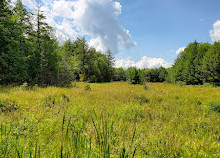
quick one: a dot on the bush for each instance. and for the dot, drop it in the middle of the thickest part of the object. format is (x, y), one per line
(93, 79)
(65, 98)
(145, 86)
(50, 101)
(205, 84)
(24, 86)
(82, 77)
(34, 88)
(87, 87)
(181, 83)
(141, 99)
(215, 106)
(8, 105)
(69, 85)
(73, 84)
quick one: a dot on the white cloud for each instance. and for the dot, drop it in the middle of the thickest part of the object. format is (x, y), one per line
(66, 29)
(215, 33)
(145, 62)
(180, 50)
(63, 9)
(98, 44)
(97, 19)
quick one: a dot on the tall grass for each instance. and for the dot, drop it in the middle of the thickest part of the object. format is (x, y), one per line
(111, 120)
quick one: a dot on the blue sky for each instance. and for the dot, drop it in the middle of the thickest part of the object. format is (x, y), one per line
(160, 27)
(141, 33)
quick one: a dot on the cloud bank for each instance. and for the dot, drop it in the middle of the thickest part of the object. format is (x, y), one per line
(215, 33)
(96, 19)
(145, 62)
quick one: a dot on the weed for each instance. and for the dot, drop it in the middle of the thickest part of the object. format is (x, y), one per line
(24, 86)
(73, 85)
(35, 87)
(65, 98)
(142, 99)
(50, 101)
(145, 86)
(8, 105)
(181, 83)
(215, 106)
(87, 87)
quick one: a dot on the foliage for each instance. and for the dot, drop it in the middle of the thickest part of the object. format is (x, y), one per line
(211, 65)
(30, 52)
(133, 75)
(215, 106)
(87, 87)
(119, 74)
(114, 119)
(145, 86)
(154, 75)
(197, 64)
(8, 105)
(24, 86)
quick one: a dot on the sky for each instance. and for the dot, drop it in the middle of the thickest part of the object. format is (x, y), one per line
(140, 33)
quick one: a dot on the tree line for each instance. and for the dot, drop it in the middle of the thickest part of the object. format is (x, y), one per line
(198, 64)
(30, 52)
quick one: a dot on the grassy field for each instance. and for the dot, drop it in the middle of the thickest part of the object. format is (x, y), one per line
(110, 120)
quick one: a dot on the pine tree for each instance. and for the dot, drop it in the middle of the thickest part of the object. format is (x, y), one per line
(12, 57)
(45, 58)
(211, 65)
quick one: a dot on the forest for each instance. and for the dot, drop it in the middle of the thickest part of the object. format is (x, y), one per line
(30, 53)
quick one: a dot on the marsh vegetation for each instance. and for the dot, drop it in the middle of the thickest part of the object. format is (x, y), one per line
(110, 120)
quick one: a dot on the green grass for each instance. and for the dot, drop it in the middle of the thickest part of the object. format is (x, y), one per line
(110, 120)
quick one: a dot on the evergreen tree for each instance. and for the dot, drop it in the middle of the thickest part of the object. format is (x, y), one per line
(110, 63)
(202, 50)
(45, 58)
(211, 65)
(12, 57)
(184, 65)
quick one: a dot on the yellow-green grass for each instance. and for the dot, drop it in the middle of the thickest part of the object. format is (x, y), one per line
(111, 120)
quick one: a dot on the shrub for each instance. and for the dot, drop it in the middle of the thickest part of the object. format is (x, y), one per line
(50, 101)
(87, 87)
(145, 86)
(34, 88)
(93, 79)
(69, 85)
(73, 84)
(82, 77)
(215, 106)
(24, 86)
(65, 98)
(181, 83)
(141, 99)
(8, 105)
(205, 84)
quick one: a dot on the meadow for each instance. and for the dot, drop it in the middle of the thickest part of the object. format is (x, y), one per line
(110, 120)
